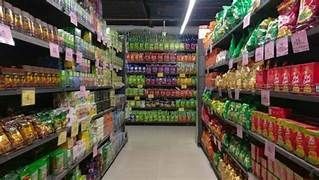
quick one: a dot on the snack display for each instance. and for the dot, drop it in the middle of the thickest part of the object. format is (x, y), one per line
(178, 103)
(169, 69)
(158, 116)
(160, 57)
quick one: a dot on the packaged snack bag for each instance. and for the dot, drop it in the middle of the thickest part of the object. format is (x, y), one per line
(287, 19)
(312, 147)
(310, 74)
(296, 78)
(308, 13)
(277, 78)
(285, 79)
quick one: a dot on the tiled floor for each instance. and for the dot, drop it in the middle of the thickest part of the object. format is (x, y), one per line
(160, 153)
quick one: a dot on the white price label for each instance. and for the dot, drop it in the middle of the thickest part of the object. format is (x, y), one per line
(54, 50)
(246, 20)
(230, 63)
(245, 59)
(259, 53)
(230, 95)
(6, 35)
(265, 97)
(299, 41)
(270, 50)
(73, 18)
(239, 131)
(270, 150)
(237, 94)
(68, 54)
(282, 46)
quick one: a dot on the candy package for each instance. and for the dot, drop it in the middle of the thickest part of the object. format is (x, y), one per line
(308, 13)
(287, 19)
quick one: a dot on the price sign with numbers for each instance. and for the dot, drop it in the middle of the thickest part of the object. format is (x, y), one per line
(74, 128)
(73, 18)
(6, 35)
(246, 22)
(54, 50)
(27, 97)
(270, 150)
(181, 109)
(299, 41)
(182, 75)
(84, 125)
(137, 98)
(184, 86)
(237, 94)
(259, 53)
(140, 86)
(270, 50)
(265, 97)
(230, 63)
(239, 131)
(245, 59)
(282, 46)
(68, 54)
(62, 138)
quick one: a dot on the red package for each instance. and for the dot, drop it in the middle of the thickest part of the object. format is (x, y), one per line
(140, 57)
(279, 112)
(308, 13)
(281, 132)
(296, 78)
(270, 78)
(310, 74)
(277, 78)
(160, 57)
(147, 57)
(312, 147)
(287, 19)
(261, 79)
(290, 135)
(166, 57)
(285, 79)
(153, 57)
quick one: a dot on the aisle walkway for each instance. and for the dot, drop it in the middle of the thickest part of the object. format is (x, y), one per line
(160, 153)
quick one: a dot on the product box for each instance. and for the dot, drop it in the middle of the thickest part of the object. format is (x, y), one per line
(253, 151)
(258, 173)
(283, 171)
(277, 168)
(310, 74)
(289, 173)
(270, 165)
(263, 173)
(279, 112)
(277, 78)
(285, 79)
(253, 167)
(270, 78)
(270, 176)
(263, 162)
(261, 79)
(296, 78)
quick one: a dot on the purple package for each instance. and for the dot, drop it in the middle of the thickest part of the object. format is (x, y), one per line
(174, 81)
(160, 68)
(148, 69)
(153, 81)
(166, 69)
(173, 69)
(154, 69)
(143, 69)
(169, 81)
(148, 81)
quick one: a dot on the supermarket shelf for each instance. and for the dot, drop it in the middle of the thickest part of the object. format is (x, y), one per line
(162, 108)
(61, 175)
(118, 87)
(10, 155)
(211, 163)
(282, 95)
(159, 97)
(107, 168)
(102, 113)
(164, 74)
(39, 90)
(160, 123)
(236, 161)
(158, 62)
(164, 51)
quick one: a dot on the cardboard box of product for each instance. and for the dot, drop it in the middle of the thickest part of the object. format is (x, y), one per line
(270, 165)
(253, 151)
(277, 168)
(258, 173)
(263, 162)
(263, 173)
(289, 173)
(283, 171)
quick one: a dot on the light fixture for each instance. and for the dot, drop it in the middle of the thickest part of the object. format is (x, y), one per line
(187, 16)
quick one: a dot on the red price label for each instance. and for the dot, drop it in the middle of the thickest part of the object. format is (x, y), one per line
(68, 54)
(6, 35)
(246, 22)
(270, 50)
(265, 97)
(259, 53)
(79, 58)
(239, 131)
(299, 41)
(270, 150)
(73, 18)
(245, 59)
(282, 46)
(54, 50)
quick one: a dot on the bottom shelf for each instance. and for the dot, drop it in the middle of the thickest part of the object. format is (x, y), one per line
(103, 173)
(161, 123)
(211, 163)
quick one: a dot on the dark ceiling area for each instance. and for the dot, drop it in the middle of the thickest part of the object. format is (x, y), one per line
(154, 12)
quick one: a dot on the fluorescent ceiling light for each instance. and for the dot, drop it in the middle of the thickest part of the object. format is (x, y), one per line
(188, 15)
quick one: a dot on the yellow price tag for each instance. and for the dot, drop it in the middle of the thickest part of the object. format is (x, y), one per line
(27, 97)
(137, 98)
(62, 138)
(140, 86)
(184, 86)
(182, 75)
(151, 96)
(74, 129)
(181, 109)
(85, 125)
(160, 74)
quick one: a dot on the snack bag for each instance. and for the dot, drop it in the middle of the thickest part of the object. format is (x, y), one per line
(308, 13)
(287, 19)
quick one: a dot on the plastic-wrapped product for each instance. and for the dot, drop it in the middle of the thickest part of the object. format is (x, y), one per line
(272, 31)
(308, 13)
(287, 19)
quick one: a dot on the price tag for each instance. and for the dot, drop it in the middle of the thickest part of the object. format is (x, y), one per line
(94, 151)
(230, 63)
(137, 98)
(259, 53)
(54, 50)
(151, 96)
(74, 128)
(239, 131)
(97, 63)
(237, 94)
(160, 74)
(182, 75)
(229, 93)
(99, 37)
(140, 86)
(282, 46)
(79, 58)
(270, 150)
(265, 97)
(270, 50)
(6, 35)
(27, 97)
(220, 94)
(62, 138)
(85, 125)
(246, 20)
(219, 144)
(215, 140)
(245, 59)
(68, 54)
(299, 41)
(184, 86)
(73, 18)
(82, 89)
(181, 109)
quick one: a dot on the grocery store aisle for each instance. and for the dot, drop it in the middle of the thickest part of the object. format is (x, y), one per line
(160, 153)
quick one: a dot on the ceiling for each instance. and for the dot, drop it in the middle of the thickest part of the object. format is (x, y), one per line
(153, 12)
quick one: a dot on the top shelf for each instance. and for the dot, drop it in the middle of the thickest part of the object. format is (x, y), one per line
(164, 51)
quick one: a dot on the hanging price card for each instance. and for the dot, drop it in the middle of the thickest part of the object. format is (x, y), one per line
(182, 75)
(68, 54)
(219, 144)
(137, 98)
(259, 53)
(239, 131)
(151, 96)
(6, 35)
(237, 94)
(282, 46)
(74, 128)
(54, 50)
(73, 18)
(140, 86)
(270, 50)
(62, 138)
(79, 58)
(230, 63)
(245, 59)
(181, 109)
(265, 97)
(97, 63)
(299, 41)
(95, 151)
(85, 125)
(230, 95)
(27, 97)
(184, 86)
(215, 140)
(160, 74)
(82, 89)
(246, 21)
(270, 150)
